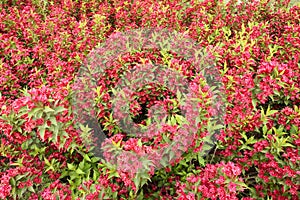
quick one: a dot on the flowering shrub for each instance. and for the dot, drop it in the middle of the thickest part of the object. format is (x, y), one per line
(43, 154)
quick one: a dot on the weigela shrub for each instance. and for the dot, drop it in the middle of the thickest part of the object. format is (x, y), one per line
(42, 152)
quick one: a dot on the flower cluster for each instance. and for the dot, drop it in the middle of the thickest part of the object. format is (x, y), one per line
(256, 154)
(221, 181)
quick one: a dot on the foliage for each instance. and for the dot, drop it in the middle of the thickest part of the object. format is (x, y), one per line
(42, 152)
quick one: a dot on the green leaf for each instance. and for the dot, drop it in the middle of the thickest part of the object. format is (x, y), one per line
(136, 181)
(139, 143)
(82, 164)
(19, 177)
(287, 145)
(113, 174)
(265, 129)
(34, 111)
(79, 171)
(39, 114)
(178, 95)
(22, 111)
(73, 175)
(95, 174)
(12, 181)
(173, 120)
(53, 121)
(216, 127)
(47, 109)
(294, 129)
(270, 112)
(59, 109)
(47, 162)
(31, 189)
(64, 174)
(42, 131)
(71, 166)
(180, 119)
(201, 160)
(95, 159)
(86, 157)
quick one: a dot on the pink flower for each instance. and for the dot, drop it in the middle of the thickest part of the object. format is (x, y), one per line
(232, 187)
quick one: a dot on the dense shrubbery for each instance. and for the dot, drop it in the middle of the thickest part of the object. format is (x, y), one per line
(43, 44)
